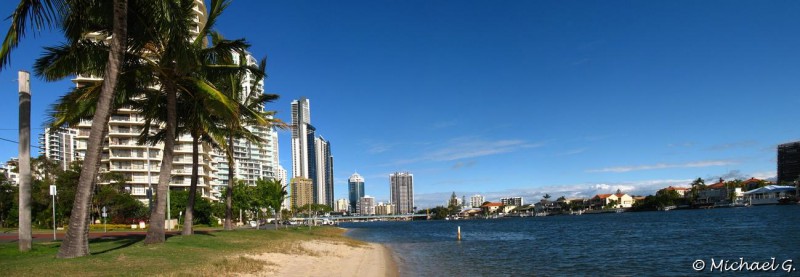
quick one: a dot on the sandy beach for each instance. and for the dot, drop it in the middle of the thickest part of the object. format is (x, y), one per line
(329, 258)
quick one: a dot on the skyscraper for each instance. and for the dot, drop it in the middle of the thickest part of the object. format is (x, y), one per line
(355, 186)
(788, 162)
(324, 172)
(302, 149)
(311, 155)
(402, 192)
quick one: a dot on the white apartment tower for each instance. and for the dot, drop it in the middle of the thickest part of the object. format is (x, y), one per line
(58, 144)
(402, 192)
(140, 164)
(476, 201)
(252, 161)
(301, 129)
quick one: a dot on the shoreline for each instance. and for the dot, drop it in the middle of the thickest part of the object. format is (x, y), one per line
(322, 256)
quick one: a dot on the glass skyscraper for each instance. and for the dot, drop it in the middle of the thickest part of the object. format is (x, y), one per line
(356, 190)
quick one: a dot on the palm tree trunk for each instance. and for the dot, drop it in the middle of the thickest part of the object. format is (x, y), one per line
(156, 232)
(76, 241)
(189, 214)
(24, 162)
(229, 191)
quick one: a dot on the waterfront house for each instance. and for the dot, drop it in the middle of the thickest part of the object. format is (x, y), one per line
(715, 193)
(771, 194)
(491, 207)
(753, 183)
(683, 192)
(622, 200)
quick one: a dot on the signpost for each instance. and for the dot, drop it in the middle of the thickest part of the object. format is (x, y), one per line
(104, 219)
(53, 194)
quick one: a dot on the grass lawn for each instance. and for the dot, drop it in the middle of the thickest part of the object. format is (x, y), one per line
(209, 253)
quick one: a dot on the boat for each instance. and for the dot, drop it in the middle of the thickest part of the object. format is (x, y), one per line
(667, 208)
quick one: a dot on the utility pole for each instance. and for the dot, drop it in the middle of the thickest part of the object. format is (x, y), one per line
(24, 161)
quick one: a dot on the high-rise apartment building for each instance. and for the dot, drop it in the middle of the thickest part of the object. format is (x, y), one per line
(355, 185)
(311, 155)
(302, 148)
(366, 205)
(324, 172)
(252, 160)
(402, 192)
(302, 192)
(140, 164)
(58, 145)
(476, 201)
(788, 162)
(512, 201)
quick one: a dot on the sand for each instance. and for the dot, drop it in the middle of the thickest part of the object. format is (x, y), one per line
(327, 258)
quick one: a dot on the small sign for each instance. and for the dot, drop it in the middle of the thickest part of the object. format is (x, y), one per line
(104, 209)
(105, 214)
(52, 189)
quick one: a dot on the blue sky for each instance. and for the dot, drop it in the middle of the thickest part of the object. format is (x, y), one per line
(517, 98)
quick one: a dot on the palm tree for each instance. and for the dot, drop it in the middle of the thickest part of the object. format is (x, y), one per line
(275, 193)
(251, 104)
(179, 64)
(77, 18)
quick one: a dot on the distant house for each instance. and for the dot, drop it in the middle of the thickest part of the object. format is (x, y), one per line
(622, 200)
(683, 192)
(491, 207)
(715, 193)
(753, 183)
(469, 212)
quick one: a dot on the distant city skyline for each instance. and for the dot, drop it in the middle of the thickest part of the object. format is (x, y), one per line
(514, 98)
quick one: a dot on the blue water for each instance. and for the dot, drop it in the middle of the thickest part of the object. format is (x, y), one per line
(638, 244)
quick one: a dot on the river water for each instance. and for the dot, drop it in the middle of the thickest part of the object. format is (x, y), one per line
(636, 244)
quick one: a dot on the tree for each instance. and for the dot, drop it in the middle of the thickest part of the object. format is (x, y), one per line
(251, 112)
(697, 186)
(8, 193)
(274, 194)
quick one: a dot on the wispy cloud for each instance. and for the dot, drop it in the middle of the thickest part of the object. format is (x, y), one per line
(467, 164)
(571, 152)
(733, 145)
(664, 166)
(469, 147)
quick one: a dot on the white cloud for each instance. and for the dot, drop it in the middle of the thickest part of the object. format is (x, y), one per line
(531, 195)
(469, 147)
(664, 165)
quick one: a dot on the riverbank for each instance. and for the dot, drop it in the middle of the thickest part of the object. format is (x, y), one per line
(295, 251)
(327, 258)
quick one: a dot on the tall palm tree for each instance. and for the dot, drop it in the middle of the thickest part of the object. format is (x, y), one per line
(251, 102)
(178, 62)
(94, 16)
(153, 26)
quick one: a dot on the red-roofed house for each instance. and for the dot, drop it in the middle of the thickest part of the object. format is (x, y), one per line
(681, 191)
(715, 193)
(622, 200)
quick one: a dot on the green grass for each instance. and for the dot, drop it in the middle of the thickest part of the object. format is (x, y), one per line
(205, 254)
